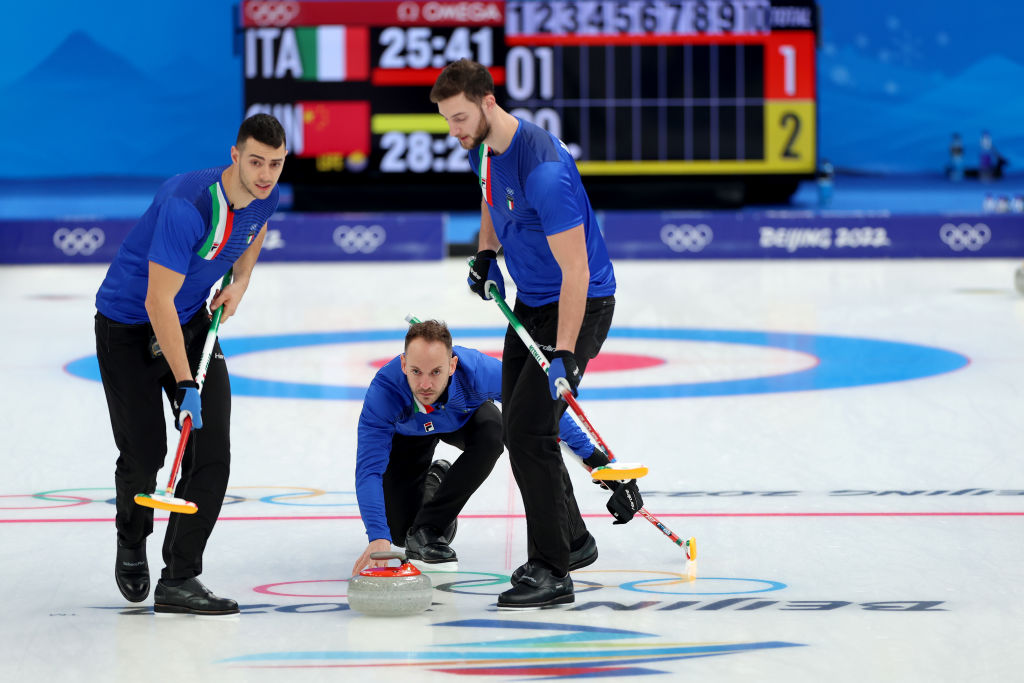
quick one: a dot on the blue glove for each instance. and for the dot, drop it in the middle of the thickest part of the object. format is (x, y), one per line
(186, 402)
(484, 269)
(563, 366)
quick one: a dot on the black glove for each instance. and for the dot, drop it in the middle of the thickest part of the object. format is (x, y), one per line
(599, 459)
(484, 269)
(596, 459)
(563, 366)
(625, 501)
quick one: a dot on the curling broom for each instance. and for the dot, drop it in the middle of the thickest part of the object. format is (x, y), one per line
(167, 500)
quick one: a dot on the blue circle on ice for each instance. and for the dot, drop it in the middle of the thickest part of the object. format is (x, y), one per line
(842, 362)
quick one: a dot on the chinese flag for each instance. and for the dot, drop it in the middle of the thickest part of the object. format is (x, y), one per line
(335, 128)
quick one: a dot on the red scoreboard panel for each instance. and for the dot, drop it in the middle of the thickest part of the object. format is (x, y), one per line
(653, 94)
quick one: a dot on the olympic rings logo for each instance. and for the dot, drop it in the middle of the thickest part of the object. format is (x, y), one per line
(288, 496)
(408, 11)
(965, 236)
(359, 238)
(271, 13)
(686, 237)
(489, 584)
(73, 241)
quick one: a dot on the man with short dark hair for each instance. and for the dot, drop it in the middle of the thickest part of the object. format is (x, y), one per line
(150, 324)
(534, 206)
(433, 392)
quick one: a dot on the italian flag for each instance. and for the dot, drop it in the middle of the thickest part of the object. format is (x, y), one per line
(334, 53)
(222, 220)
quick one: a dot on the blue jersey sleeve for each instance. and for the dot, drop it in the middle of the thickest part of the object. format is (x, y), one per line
(487, 376)
(375, 433)
(574, 437)
(178, 230)
(550, 189)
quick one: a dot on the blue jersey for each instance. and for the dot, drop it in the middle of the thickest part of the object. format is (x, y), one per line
(189, 228)
(390, 408)
(533, 190)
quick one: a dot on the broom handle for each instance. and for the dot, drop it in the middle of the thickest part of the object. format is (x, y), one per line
(567, 395)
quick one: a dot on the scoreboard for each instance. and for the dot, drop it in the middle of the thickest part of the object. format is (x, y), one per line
(653, 94)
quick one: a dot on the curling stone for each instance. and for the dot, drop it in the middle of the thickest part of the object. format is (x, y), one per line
(390, 591)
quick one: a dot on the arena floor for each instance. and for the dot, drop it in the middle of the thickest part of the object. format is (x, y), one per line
(842, 438)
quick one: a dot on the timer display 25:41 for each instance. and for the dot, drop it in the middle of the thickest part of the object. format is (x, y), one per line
(419, 47)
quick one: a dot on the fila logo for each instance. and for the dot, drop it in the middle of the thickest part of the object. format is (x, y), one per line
(428, 426)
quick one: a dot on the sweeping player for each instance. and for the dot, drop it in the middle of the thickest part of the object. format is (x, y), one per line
(150, 328)
(534, 206)
(433, 392)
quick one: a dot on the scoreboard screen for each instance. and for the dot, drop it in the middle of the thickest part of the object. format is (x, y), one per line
(659, 94)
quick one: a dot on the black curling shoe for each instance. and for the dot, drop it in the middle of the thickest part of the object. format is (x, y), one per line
(191, 597)
(538, 588)
(426, 545)
(131, 572)
(585, 556)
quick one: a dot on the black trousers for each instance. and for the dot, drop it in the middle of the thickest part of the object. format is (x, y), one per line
(133, 381)
(481, 445)
(531, 417)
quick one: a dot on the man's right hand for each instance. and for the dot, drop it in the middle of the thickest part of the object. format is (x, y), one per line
(485, 269)
(187, 402)
(380, 545)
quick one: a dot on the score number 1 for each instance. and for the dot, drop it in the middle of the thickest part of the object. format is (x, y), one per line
(530, 75)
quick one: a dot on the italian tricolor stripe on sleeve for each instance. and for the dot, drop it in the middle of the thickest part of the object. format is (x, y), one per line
(485, 173)
(222, 219)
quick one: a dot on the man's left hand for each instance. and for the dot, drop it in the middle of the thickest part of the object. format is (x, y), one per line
(230, 297)
(625, 502)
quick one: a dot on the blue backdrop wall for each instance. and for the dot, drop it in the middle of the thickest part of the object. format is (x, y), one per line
(118, 88)
(897, 79)
(150, 89)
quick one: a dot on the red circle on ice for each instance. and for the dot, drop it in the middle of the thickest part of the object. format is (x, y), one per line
(272, 589)
(605, 362)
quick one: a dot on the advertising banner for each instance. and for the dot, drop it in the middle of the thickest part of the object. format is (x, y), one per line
(290, 237)
(806, 234)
